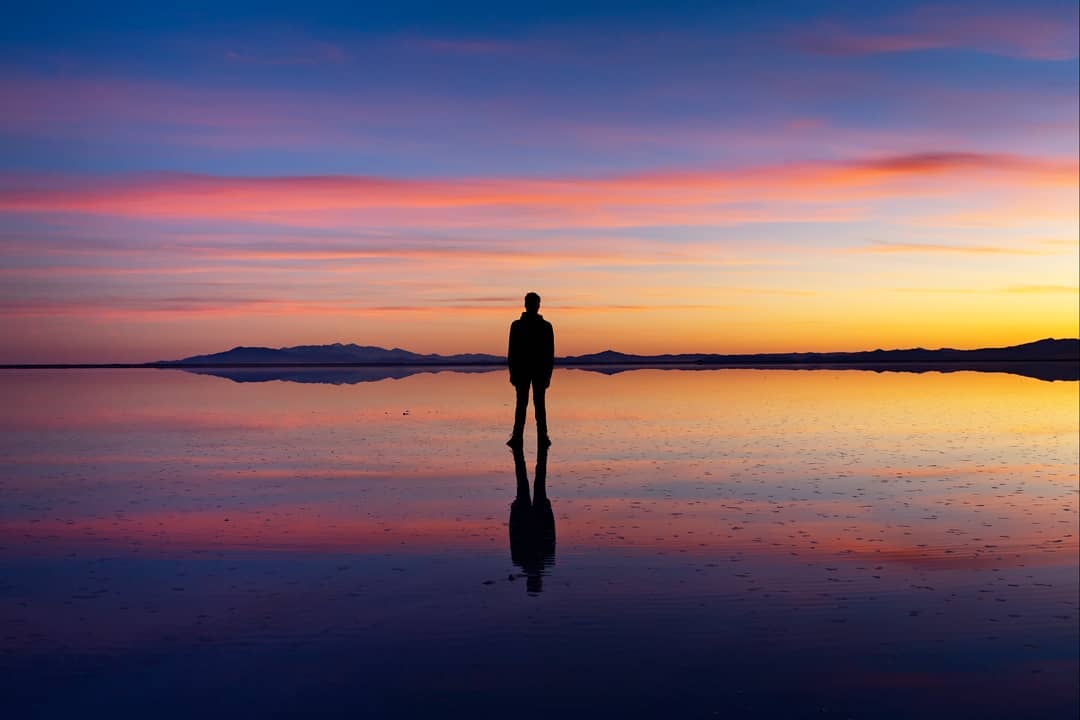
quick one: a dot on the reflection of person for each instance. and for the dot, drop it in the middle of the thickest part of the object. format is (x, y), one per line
(531, 357)
(532, 524)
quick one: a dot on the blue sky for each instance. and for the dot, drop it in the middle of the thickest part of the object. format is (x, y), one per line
(754, 135)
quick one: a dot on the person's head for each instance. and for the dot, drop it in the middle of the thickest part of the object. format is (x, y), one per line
(532, 302)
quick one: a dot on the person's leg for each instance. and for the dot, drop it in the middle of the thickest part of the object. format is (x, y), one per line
(519, 410)
(540, 406)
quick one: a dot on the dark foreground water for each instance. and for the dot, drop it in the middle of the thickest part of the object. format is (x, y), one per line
(721, 543)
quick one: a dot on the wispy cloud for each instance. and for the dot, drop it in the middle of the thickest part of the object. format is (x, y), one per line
(312, 52)
(890, 248)
(1060, 243)
(1022, 32)
(1017, 289)
(932, 163)
(501, 299)
(198, 113)
(1039, 289)
(144, 308)
(462, 46)
(821, 192)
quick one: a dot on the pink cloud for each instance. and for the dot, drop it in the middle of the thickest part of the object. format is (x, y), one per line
(149, 309)
(798, 193)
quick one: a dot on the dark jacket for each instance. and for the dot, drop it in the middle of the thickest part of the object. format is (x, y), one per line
(531, 355)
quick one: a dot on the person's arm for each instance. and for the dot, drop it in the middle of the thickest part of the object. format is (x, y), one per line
(511, 353)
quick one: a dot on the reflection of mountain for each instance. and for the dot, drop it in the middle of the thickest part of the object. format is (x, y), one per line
(1048, 370)
(328, 375)
(354, 375)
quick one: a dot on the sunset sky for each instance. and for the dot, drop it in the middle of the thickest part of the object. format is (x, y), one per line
(743, 177)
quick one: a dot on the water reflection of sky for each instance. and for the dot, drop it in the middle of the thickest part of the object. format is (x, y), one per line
(742, 542)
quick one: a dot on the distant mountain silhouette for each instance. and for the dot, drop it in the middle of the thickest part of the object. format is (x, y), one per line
(1047, 359)
(1067, 350)
(336, 354)
(1038, 351)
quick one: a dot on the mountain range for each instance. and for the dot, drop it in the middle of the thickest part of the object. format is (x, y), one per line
(1045, 350)
(339, 364)
(336, 354)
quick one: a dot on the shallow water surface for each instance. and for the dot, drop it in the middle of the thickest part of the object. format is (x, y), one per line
(719, 543)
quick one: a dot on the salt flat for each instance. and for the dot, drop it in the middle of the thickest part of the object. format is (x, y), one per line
(733, 543)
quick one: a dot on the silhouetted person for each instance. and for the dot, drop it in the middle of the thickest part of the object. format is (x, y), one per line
(532, 524)
(531, 357)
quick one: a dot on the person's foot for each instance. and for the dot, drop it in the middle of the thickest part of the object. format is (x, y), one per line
(514, 441)
(544, 441)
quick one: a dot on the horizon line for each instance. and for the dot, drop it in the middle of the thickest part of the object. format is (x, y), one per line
(447, 359)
